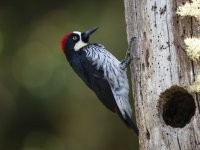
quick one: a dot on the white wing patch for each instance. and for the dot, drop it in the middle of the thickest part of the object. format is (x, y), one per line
(116, 77)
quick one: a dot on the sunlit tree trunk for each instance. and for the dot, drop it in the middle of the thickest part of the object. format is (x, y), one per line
(167, 115)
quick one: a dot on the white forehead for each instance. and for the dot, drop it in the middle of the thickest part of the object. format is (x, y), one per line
(77, 32)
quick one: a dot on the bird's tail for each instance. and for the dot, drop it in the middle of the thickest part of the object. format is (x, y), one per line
(131, 124)
(127, 120)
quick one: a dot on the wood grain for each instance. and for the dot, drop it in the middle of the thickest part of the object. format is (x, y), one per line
(160, 63)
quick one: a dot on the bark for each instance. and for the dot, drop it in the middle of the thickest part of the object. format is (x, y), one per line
(167, 115)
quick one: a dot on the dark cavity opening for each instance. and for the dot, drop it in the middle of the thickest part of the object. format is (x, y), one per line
(177, 106)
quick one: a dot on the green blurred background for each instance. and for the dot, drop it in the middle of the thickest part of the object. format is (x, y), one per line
(43, 104)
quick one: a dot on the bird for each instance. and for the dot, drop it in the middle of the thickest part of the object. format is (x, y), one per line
(101, 71)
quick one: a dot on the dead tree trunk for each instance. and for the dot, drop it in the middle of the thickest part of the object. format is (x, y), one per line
(167, 115)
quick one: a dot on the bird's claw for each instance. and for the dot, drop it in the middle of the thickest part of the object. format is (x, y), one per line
(127, 60)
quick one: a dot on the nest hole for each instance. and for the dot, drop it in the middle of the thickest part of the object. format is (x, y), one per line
(177, 106)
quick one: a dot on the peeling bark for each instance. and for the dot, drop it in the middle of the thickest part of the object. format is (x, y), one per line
(161, 70)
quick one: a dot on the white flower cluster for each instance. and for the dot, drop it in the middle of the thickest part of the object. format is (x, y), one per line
(190, 9)
(193, 48)
(192, 44)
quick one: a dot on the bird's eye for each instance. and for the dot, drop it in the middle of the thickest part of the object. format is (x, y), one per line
(74, 38)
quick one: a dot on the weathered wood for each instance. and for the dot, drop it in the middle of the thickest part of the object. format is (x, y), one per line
(167, 115)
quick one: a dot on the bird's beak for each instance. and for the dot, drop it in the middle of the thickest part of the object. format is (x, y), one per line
(85, 35)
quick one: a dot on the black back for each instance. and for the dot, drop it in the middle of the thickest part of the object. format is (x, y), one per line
(93, 78)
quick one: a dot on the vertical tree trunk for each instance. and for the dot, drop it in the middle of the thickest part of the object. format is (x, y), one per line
(167, 115)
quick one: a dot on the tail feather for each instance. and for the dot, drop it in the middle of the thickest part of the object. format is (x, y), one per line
(132, 125)
(127, 120)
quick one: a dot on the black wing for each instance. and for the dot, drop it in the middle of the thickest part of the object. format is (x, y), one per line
(94, 79)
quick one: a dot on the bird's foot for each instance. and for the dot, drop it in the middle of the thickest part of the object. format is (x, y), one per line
(127, 60)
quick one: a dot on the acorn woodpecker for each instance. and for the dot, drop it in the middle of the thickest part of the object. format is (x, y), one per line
(101, 71)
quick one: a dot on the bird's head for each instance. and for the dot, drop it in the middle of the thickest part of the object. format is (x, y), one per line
(76, 40)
